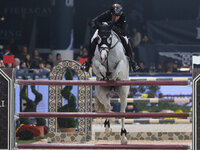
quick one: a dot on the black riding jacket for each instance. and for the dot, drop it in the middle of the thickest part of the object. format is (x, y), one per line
(120, 27)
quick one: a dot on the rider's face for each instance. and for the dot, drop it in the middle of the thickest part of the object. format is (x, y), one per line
(115, 18)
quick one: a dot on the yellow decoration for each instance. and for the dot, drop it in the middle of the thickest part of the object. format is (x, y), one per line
(144, 95)
(19, 127)
(179, 111)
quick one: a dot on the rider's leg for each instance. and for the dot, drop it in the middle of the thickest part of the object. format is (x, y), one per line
(92, 48)
(128, 50)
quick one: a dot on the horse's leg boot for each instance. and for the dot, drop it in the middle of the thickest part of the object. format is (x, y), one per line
(107, 123)
(123, 131)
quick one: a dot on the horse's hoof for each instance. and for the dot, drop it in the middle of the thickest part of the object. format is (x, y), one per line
(124, 140)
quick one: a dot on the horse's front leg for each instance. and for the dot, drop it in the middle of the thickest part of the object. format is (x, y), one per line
(99, 69)
(119, 68)
(123, 132)
(123, 100)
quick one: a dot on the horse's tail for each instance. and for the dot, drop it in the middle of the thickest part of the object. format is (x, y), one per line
(98, 106)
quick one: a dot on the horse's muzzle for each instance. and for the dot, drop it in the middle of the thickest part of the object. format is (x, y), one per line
(102, 60)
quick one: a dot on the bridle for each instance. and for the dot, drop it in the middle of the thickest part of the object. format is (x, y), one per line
(104, 41)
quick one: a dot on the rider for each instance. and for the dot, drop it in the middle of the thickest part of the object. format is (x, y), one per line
(115, 16)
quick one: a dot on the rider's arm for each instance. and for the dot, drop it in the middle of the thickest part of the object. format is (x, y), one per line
(124, 27)
(121, 27)
(104, 17)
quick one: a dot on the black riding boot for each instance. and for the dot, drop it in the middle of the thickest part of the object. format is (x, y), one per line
(128, 50)
(92, 48)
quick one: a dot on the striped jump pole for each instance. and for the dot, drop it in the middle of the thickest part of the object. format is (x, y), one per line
(100, 83)
(106, 115)
(154, 100)
(157, 121)
(100, 146)
(153, 79)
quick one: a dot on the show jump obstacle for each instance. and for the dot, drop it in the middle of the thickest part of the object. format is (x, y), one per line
(7, 108)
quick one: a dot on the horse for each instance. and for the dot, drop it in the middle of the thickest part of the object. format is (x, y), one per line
(110, 63)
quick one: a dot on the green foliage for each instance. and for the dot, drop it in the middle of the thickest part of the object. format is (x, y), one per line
(158, 107)
(26, 135)
(66, 122)
(70, 107)
(41, 121)
(31, 105)
(153, 91)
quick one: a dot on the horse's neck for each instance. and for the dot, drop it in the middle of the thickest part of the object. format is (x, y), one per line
(115, 38)
(117, 47)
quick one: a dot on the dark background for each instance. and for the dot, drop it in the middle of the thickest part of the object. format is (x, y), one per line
(49, 23)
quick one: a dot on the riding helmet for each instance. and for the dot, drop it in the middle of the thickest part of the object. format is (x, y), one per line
(116, 9)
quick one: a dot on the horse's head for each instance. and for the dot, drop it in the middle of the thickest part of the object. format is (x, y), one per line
(104, 41)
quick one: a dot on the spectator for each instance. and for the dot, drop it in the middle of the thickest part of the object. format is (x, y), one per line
(28, 61)
(132, 107)
(175, 67)
(168, 67)
(17, 63)
(58, 59)
(159, 68)
(24, 51)
(49, 67)
(142, 67)
(114, 106)
(83, 58)
(42, 67)
(50, 60)
(9, 65)
(2, 64)
(145, 39)
(23, 65)
(36, 59)
(136, 37)
(81, 49)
